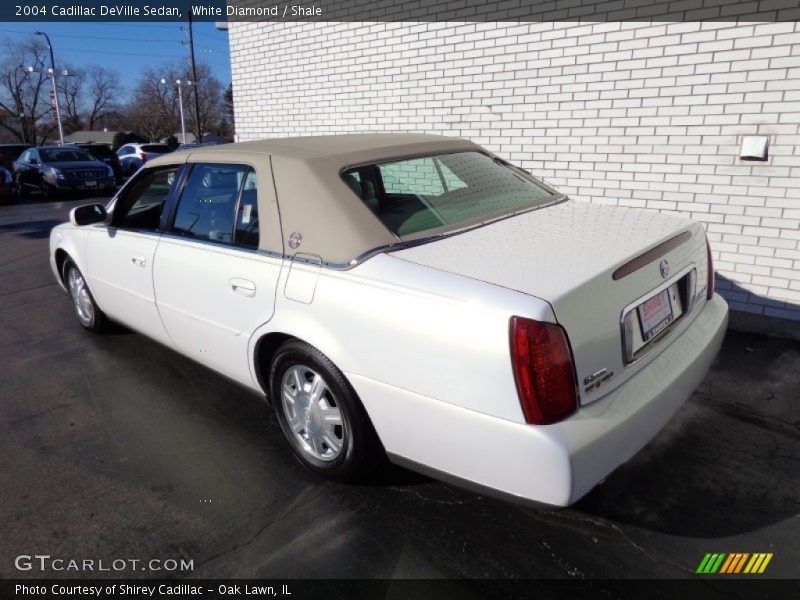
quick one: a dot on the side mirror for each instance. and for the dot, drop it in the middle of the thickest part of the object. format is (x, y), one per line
(34, 161)
(88, 214)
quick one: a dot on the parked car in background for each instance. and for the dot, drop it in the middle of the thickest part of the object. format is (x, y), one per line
(53, 169)
(411, 294)
(133, 156)
(6, 184)
(9, 153)
(105, 154)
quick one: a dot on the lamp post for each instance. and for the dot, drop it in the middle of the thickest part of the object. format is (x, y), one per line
(52, 71)
(180, 85)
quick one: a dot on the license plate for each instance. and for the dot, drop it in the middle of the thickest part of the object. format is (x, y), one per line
(91, 183)
(655, 315)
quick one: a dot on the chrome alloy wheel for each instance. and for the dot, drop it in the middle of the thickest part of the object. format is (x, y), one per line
(312, 413)
(80, 296)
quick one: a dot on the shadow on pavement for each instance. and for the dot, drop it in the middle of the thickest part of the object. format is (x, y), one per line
(729, 461)
(31, 229)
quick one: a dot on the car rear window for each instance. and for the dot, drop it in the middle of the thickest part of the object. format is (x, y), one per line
(432, 192)
(156, 148)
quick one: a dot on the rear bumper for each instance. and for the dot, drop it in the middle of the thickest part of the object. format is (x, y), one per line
(554, 464)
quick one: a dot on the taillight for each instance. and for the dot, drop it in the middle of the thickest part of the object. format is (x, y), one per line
(543, 370)
(143, 156)
(710, 266)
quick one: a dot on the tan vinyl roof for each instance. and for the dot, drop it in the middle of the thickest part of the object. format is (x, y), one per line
(314, 201)
(349, 149)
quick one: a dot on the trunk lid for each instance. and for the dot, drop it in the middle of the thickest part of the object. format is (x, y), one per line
(593, 264)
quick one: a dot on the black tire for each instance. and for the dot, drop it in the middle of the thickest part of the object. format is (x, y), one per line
(21, 190)
(94, 320)
(361, 450)
(48, 191)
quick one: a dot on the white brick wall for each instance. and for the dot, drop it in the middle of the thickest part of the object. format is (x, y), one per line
(634, 114)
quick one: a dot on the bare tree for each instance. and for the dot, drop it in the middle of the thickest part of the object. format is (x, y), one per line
(103, 91)
(70, 92)
(23, 95)
(225, 126)
(153, 110)
(210, 93)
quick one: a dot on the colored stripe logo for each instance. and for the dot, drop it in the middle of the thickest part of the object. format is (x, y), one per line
(734, 563)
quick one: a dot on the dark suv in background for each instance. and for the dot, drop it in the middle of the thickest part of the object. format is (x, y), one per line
(105, 154)
(53, 169)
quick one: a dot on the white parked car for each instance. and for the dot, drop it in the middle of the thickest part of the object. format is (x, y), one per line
(133, 156)
(409, 294)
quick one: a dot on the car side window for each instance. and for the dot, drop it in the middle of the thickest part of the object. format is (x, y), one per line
(124, 150)
(246, 230)
(142, 204)
(219, 204)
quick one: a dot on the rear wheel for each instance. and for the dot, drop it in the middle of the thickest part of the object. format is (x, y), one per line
(89, 314)
(320, 414)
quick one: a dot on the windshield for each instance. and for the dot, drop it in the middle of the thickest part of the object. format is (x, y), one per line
(50, 155)
(420, 194)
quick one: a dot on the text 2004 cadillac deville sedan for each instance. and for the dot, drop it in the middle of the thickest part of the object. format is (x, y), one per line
(409, 294)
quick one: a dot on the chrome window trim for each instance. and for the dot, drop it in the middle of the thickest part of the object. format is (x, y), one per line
(223, 245)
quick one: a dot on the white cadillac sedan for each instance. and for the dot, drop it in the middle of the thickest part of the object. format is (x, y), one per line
(409, 296)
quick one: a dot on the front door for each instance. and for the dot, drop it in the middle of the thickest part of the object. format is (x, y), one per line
(120, 257)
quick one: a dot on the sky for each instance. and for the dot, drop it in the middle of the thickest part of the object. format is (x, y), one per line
(128, 47)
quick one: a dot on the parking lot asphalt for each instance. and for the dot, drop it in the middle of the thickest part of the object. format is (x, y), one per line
(114, 446)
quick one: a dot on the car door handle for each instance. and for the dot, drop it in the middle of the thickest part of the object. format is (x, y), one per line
(139, 260)
(245, 287)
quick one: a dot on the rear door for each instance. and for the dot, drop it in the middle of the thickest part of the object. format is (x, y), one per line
(213, 286)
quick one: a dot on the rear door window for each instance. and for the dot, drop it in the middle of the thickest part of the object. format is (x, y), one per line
(219, 204)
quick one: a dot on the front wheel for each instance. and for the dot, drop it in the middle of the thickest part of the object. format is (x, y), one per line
(320, 414)
(49, 192)
(89, 314)
(20, 186)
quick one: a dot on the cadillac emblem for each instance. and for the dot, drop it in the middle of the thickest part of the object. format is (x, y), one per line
(294, 240)
(663, 267)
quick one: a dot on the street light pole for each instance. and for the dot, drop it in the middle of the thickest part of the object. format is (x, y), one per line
(180, 105)
(179, 85)
(53, 79)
